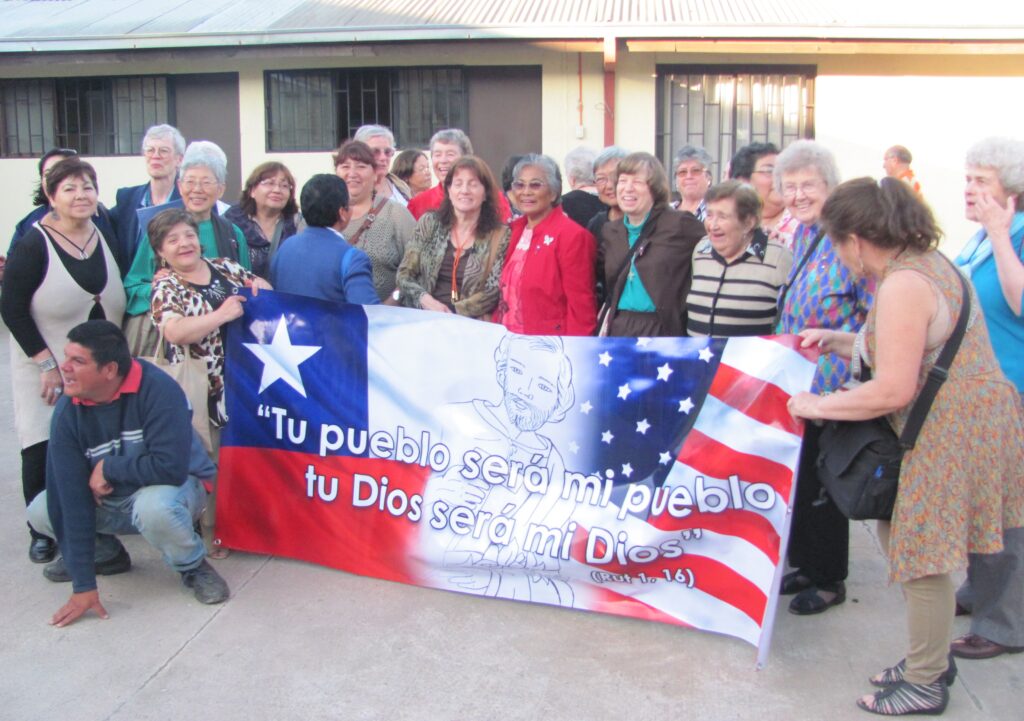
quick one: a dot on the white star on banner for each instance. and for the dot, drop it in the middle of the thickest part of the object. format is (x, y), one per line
(606, 437)
(664, 372)
(642, 427)
(604, 359)
(574, 446)
(627, 470)
(685, 405)
(586, 407)
(642, 342)
(624, 391)
(706, 355)
(281, 359)
(665, 458)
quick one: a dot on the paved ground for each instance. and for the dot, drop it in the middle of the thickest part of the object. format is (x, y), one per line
(297, 641)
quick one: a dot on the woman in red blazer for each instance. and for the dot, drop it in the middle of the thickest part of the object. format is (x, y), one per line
(547, 284)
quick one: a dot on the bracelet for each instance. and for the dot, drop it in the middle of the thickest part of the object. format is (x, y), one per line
(49, 364)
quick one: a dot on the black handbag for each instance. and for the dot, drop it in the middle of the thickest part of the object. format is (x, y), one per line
(859, 461)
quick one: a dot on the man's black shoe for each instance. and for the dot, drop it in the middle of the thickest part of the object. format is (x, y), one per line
(121, 563)
(42, 550)
(207, 584)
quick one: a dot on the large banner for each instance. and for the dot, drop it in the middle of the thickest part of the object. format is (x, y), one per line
(644, 477)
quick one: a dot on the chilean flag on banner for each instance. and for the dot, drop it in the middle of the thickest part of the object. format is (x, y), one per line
(643, 477)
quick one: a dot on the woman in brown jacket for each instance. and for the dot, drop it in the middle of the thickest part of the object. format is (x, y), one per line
(646, 255)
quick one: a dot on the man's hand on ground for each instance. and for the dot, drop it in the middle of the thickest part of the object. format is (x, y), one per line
(78, 604)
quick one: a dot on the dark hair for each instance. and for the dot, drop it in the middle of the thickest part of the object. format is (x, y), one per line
(489, 218)
(507, 175)
(105, 342)
(71, 167)
(161, 225)
(39, 195)
(748, 202)
(743, 162)
(355, 150)
(405, 163)
(887, 214)
(262, 172)
(322, 197)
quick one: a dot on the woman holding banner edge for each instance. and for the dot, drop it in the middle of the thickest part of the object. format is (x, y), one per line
(959, 486)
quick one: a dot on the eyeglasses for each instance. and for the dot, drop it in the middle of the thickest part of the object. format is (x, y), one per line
(205, 184)
(691, 172)
(271, 184)
(535, 185)
(766, 171)
(602, 180)
(384, 151)
(149, 151)
(808, 187)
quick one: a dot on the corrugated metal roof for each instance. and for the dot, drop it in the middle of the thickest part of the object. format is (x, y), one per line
(61, 25)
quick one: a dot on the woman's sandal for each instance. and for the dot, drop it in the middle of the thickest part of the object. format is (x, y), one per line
(812, 600)
(894, 674)
(908, 698)
(794, 582)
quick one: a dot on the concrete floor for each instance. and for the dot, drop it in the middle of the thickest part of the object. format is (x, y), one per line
(297, 641)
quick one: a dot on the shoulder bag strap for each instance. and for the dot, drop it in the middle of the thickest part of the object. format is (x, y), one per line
(939, 372)
(616, 289)
(368, 221)
(784, 291)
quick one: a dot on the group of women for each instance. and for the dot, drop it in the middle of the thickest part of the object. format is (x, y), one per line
(861, 280)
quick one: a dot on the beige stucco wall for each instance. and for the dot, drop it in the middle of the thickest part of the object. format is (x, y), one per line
(937, 106)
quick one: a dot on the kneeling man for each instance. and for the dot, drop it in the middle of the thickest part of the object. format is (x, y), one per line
(123, 458)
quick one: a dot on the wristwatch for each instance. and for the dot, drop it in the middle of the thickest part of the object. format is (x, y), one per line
(47, 365)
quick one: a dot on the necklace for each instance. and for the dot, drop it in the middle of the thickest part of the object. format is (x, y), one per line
(460, 247)
(80, 248)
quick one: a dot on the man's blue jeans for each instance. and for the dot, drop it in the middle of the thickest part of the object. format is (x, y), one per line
(164, 515)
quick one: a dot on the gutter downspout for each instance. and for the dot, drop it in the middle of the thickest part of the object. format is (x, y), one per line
(610, 58)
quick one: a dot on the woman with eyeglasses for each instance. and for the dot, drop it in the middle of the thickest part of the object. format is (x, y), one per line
(267, 213)
(382, 142)
(547, 283)
(819, 293)
(201, 183)
(692, 168)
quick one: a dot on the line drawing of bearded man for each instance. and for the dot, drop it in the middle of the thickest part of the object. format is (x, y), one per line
(535, 377)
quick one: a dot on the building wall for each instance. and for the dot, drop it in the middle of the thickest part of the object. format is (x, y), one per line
(936, 105)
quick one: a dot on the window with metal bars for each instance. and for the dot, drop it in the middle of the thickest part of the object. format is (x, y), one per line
(95, 116)
(723, 108)
(315, 110)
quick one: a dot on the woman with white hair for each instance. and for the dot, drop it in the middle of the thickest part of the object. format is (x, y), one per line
(201, 183)
(819, 293)
(993, 593)
(692, 169)
(547, 282)
(382, 142)
(581, 202)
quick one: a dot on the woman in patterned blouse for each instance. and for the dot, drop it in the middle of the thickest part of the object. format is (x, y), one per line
(819, 293)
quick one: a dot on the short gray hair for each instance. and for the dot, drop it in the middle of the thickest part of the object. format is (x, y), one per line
(692, 152)
(612, 152)
(1003, 155)
(551, 174)
(579, 165)
(204, 154)
(453, 136)
(162, 132)
(365, 132)
(802, 154)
